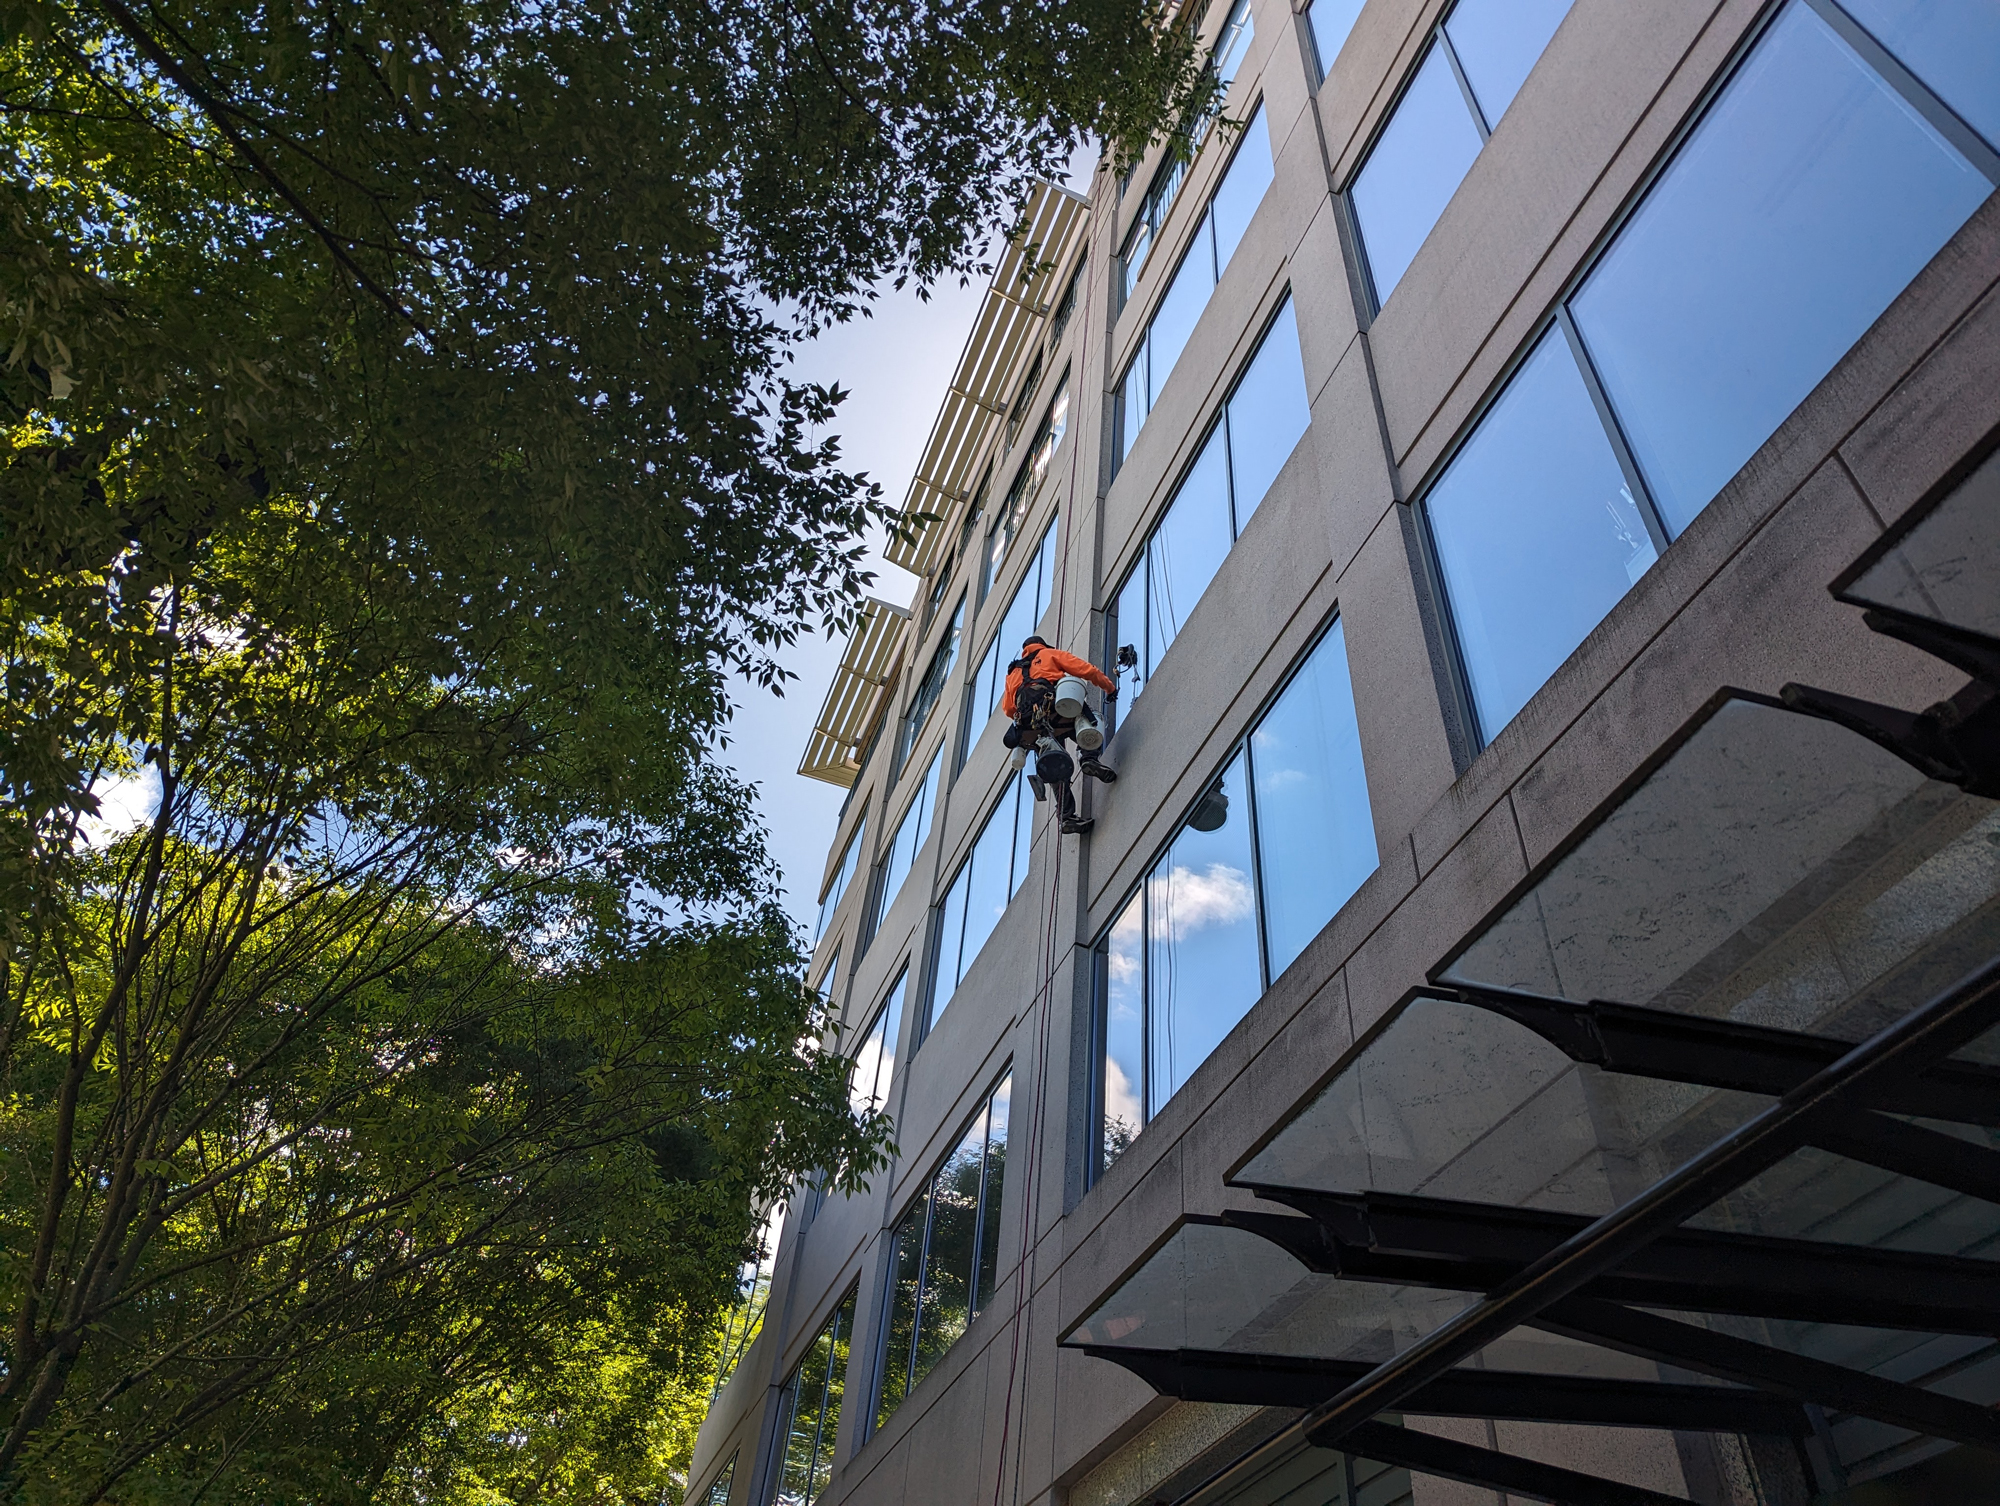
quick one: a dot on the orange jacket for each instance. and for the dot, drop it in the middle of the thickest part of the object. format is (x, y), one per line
(1051, 664)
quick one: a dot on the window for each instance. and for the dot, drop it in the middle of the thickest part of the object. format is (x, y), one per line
(842, 876)
(991, 875)
(745, 1319)
(1017, 415)
(829, 981)
(945, 1256)
(809, 1412)
(1215, 240)
(1261, 422)
(1440, 123)
(1231, 46)
(1022, 617)
(875, 1057)
(718, 1488)
(1742, 276)
(930, 689)
(916, 825)
(1027, 484)
(1276, 844)
(1059, 320)
(1330, 21)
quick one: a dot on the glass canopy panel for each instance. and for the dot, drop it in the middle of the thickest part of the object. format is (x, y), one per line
(1947, 567)
(1774, 869)
(1453, 1101)
(1212, 1287)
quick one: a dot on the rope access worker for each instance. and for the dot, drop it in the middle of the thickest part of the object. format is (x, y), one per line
(1043, 717)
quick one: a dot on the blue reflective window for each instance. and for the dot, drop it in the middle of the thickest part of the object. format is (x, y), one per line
(909, 839)
(1222, 911)
(875, 1055)
(1330, 21)
(1260, 425)
(1804, 202)
(1497, 43)
(1952, 45)
(1202, 971)
(1187, 548)
(1215, 240)
(1537, 533)
(1427, 148)
(1806, 198)
(992, 873)
(1023, 615)
(1415, 168)
(1241, 190)
(1315, 830)
(842, 877)
(1266, 414)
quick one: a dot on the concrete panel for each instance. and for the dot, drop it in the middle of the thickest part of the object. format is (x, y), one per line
(1951, 399)
(1388, 38)
(1631, 1456)
(1325, 309)
(1429, 1490)
(1603, 69)
(1106, 1249)
(1752, 626)
(1404, 744)
(1463, 885)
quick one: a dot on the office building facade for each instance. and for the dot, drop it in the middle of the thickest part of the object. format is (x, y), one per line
(1519, 1026)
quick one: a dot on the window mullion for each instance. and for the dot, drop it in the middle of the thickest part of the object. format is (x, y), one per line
(1259, 910)
(1443, 42)
(1642, 495)
(923, 1285)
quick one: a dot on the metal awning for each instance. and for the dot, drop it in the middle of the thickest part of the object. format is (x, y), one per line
(1699, 1130)
(854, 700)
(1020, 298)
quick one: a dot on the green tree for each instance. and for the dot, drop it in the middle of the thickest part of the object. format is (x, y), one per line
(398, 472)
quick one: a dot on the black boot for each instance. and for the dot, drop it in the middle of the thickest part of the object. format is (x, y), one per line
(1098, 770)
(1076, 826)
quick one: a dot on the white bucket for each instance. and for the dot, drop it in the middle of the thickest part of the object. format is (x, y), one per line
(1089, 737)
(1069, 696)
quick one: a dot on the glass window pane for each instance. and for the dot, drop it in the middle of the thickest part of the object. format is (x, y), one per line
(1187, 546)
(990, 1197)
(948, 1264)
(1137, 244)
(806, 1397)
(1804, 202)
(1234, 42)
(1267, 414)
(1414, 170)
(951, 942)
(987, 890)
(1331, 21)
(1536, 533)
(1181, 305)
(875, 1059)
(989, 682)
(1315, 835)
(1952, 45)
(1133, 402)
(841, 878)
(906, 1263)
(1129, 627)
(1024, 832)
(1023, 615)
(910, 834)
(840, 1348)
(1202, 972)
(1241, 189)
(1497, 42)
(1124, 1031)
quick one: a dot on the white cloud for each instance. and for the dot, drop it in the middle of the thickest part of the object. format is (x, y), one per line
(1218, 896)
(1121, 1098)
(125, 802)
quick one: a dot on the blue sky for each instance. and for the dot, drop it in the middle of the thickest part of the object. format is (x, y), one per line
(895, 365)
